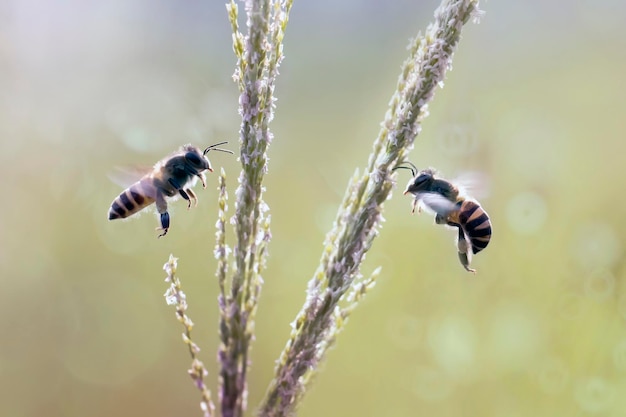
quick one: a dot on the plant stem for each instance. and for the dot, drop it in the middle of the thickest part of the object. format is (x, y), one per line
(359, 218)
(259, 54)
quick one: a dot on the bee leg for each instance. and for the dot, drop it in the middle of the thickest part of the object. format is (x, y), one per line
(165, 216)
(193, 197)
(439, 219)
(202, 178)
(182, 192)
(415, 206)
(184, 195)
(165, 223)
(465, 254)
(465, 262)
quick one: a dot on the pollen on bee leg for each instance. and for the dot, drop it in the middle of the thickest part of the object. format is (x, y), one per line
(165, 223)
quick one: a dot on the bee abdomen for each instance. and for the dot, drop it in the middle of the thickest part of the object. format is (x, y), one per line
(476, 223)
(130, 201)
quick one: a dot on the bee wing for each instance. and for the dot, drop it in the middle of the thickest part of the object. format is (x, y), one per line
(473, 183)
(437, 203)
(128, 175)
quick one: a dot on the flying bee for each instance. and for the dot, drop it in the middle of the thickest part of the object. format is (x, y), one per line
(173, 175)
(451, 208)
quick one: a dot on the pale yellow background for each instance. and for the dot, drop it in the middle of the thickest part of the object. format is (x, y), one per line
(536, 101)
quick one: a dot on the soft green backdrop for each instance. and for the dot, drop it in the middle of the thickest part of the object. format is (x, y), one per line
(536, 101)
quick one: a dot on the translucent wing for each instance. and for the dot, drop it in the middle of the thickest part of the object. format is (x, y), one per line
(473, 184)
(436, 203)
(126, 176)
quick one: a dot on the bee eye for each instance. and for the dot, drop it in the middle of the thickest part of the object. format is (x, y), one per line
(421, 179)
(193, 158)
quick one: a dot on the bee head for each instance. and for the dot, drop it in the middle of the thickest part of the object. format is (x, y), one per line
(196, 159)
(421, 180)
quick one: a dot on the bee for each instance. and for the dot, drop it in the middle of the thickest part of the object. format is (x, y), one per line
(451, 208)
(173, 175)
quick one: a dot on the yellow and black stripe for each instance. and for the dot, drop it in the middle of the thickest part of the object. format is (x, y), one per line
(130, 201)
(476, 224)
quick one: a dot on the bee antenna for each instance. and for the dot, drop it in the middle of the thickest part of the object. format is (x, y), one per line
(213, 148)
(411, 167)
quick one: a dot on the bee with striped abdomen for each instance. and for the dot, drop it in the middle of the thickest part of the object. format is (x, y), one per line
(173, 175)
(451, 208)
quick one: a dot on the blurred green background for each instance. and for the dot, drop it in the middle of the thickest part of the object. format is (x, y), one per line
(536, 101)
